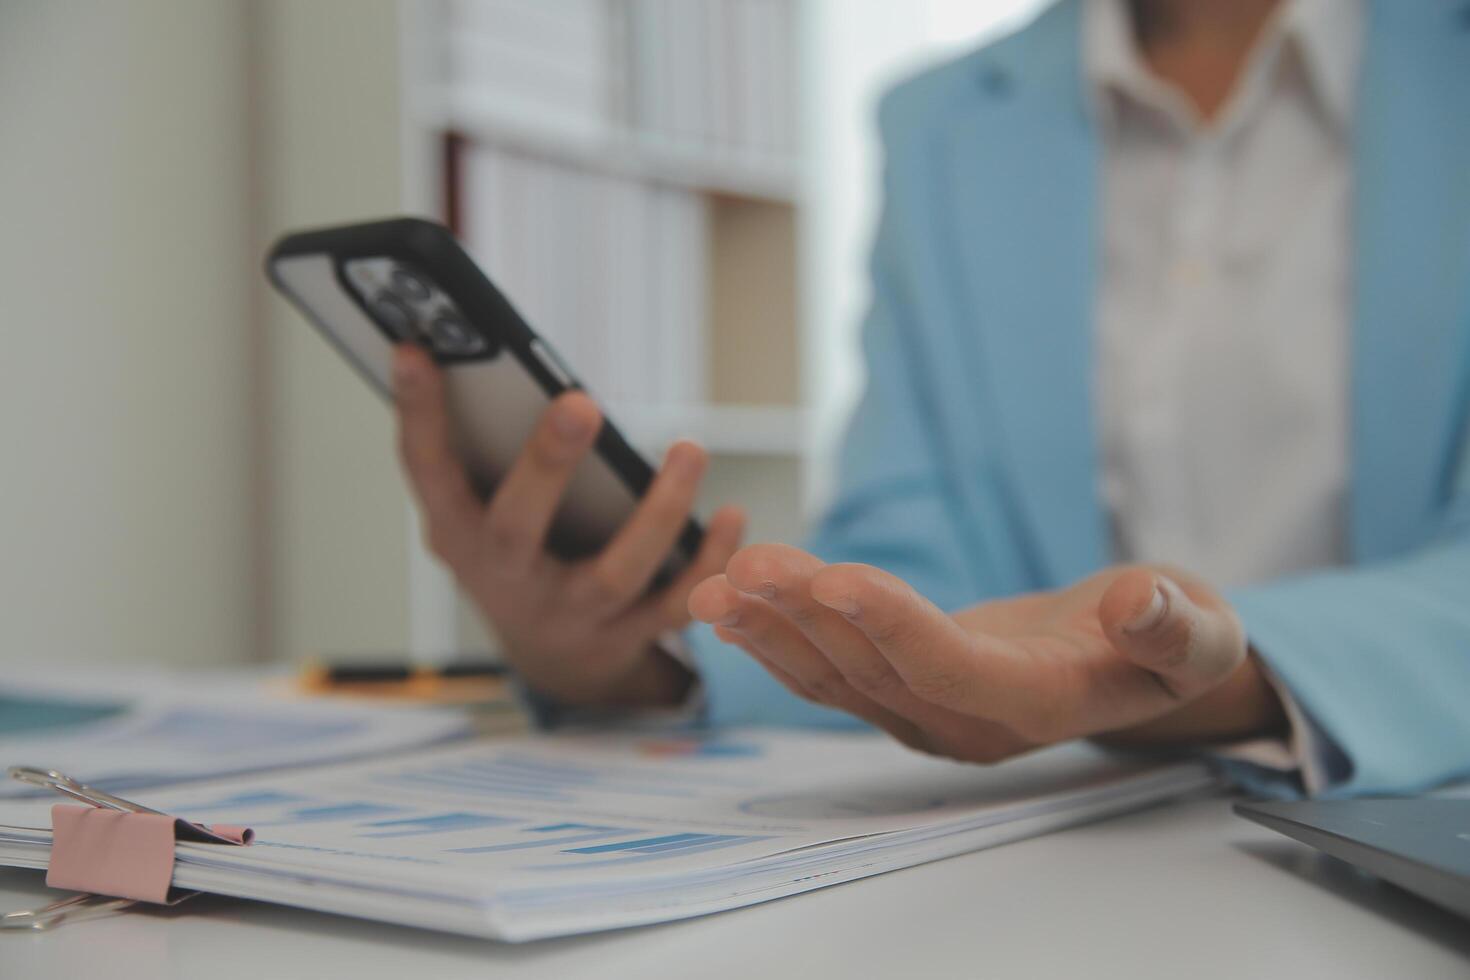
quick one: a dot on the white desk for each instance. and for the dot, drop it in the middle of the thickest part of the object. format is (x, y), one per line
(1184, 891)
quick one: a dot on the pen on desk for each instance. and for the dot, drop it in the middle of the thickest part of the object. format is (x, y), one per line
(398, 678)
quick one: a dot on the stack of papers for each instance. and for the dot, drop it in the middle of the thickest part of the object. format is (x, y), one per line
(147, 729)
(534, 837)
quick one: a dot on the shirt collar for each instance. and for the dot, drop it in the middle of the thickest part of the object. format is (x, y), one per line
(1329, 34)
(1326, 34)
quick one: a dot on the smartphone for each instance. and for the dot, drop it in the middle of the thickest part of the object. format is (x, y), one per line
(369, 287)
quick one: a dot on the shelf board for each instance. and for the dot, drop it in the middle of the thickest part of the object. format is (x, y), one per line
(724, 430)
(605, 147)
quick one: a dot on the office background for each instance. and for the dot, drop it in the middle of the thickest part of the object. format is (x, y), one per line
(192, 477)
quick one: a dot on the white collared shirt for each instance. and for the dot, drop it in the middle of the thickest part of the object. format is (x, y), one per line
(1224, 300)
(1224, 305)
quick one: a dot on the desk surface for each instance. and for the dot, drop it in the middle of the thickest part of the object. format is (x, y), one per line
(1187, 890)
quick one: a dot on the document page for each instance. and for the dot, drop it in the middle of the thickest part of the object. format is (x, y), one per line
(536, 836)
(147, 727)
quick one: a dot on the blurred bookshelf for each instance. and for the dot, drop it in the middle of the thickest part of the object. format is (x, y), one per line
(630, 172)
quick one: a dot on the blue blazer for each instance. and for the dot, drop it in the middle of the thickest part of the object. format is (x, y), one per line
(971, 465)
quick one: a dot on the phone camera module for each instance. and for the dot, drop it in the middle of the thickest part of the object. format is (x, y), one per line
(410, 285)
(452, 337)
(393, 315)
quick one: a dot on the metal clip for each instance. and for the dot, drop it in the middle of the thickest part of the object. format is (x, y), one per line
(79, 907)
(64, 784)
(74, 909)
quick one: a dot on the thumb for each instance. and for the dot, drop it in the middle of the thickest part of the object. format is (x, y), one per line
(1190, 640)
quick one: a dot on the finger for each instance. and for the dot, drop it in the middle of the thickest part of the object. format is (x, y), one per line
(777, 640)
(621, 573)
(525, 503)
(425, 446)
(905, 731)
(669, 609)
(782, 576)
(786, 680)
(922, 726)
(982, 677)
(1190, 644)
(716, 602)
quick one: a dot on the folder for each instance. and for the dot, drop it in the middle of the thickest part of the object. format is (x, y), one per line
(524, 838)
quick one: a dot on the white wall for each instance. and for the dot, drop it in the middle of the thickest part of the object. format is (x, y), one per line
(124, 305)
(190, 474)
(329, 132)
(855, 49)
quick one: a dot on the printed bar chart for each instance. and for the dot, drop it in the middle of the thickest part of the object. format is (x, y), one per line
(439, 823)
(572, 833)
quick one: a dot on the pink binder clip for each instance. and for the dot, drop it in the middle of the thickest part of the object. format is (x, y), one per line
(115, 847)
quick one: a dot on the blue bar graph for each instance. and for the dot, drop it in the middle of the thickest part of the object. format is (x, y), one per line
(535, 769)
(438, 823)
(698, 843)
(561, 778)
(530, 778)
(637, 852)
(580, 832)
(445, 782)
(553, 828)
(256, 798)
(235, 731)
(334, 811)
(669, 841)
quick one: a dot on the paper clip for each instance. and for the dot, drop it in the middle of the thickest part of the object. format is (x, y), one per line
(74, 909)
(89, 905)
(65, 785)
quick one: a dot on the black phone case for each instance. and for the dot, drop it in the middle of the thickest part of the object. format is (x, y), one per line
(432, 250)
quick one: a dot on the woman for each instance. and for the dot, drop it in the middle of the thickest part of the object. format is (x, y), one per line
(1169, 281)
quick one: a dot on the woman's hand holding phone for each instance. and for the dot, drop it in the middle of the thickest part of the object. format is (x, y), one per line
(581, 633)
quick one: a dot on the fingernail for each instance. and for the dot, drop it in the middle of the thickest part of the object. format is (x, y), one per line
(403, 374)
(570, 425)
(684, 463)
(766, 590)
(1153, 614)
(729, 620)
(845, 604)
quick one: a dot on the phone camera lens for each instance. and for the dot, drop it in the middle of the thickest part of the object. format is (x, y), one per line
(451, 335)
(393, 315)
(410, 285)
